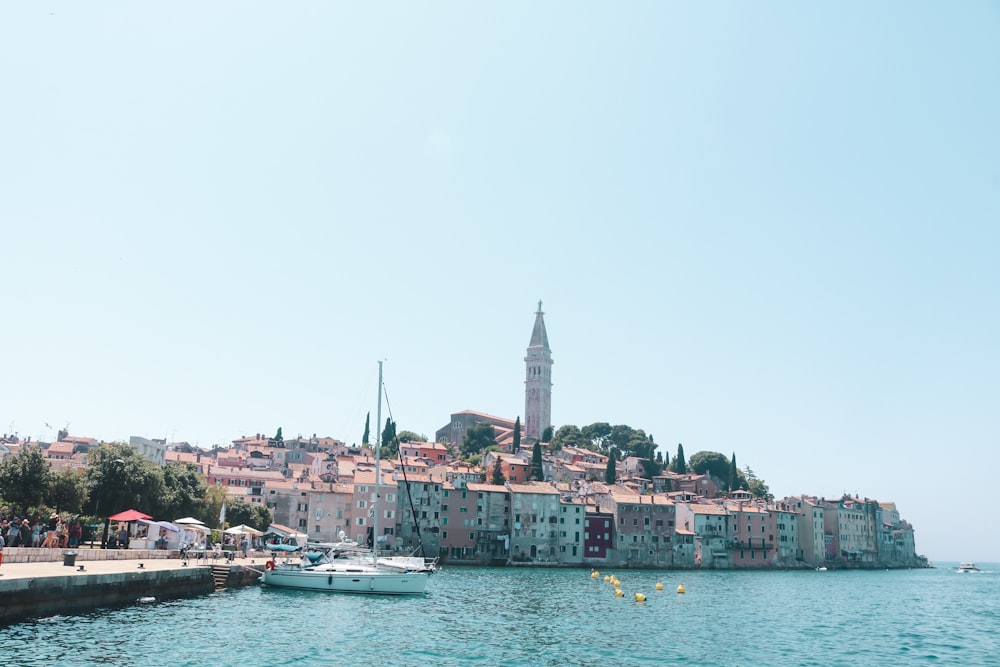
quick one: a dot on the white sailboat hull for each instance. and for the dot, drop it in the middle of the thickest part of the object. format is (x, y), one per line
(347, 580)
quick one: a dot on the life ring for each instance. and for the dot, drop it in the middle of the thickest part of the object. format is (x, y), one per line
(269, 565)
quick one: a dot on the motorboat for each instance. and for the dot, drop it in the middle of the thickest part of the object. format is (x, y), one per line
(968, 567)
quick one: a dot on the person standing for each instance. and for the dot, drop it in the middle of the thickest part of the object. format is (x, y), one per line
(1, 547)
(51, 533)
(36, 533)
(25, 533)
(13, 534)
(75, 533)
(122, 537)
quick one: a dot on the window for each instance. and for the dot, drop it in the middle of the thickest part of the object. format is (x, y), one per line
(444, 534)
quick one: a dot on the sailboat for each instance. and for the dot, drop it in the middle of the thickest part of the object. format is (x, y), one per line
(341, 567)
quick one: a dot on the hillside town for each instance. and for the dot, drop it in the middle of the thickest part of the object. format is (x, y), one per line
(568, 512)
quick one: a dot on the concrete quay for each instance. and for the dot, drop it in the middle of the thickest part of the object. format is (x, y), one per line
(37, 588)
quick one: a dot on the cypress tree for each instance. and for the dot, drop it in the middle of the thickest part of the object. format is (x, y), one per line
(734, 474)
(680, 466)
(609, 472)
(389, 447)
(517, 435)
(498, 477)
(364, 438)
(537, 471)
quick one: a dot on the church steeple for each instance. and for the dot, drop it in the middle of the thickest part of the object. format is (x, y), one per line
(538, 381)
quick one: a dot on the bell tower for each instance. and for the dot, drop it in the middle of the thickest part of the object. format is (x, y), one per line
(538, 381)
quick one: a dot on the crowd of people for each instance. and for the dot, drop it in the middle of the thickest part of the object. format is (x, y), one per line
(56, 533)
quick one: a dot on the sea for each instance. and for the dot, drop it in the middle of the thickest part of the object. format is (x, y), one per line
(520, 616)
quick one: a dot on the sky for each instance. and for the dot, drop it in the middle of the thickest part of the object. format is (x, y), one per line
(768, 229)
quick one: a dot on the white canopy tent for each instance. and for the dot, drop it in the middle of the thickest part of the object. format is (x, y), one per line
(193, 533)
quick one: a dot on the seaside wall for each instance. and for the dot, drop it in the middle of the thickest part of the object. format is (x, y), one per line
(45, 596)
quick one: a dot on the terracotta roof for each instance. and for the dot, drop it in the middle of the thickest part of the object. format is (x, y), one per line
(542, 488)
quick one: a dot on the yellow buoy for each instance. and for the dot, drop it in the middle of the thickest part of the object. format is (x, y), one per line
(618, 593)
(659, 586)
(680, 589)
(595, 574)
(607, 577)
(639, 597)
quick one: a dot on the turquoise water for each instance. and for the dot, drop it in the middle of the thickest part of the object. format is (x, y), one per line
(479, 616)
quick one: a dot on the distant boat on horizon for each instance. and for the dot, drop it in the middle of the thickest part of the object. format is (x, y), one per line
(968, 567)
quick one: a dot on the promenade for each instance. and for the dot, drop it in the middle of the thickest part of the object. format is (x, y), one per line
(40, 569)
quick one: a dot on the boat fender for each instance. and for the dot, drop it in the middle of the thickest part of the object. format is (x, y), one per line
(269, 565)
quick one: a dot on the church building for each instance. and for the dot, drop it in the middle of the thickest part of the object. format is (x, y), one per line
(537, 397)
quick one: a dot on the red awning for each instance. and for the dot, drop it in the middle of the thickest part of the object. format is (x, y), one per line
(129, 515)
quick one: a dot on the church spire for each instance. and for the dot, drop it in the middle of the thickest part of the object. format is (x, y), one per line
(538, 336)
(538, 381)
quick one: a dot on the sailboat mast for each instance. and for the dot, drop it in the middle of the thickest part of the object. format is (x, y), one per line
(378, 466)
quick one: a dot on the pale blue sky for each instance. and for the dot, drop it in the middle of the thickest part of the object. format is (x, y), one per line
(762, 228)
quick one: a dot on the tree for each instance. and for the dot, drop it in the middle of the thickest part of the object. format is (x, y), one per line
(24, 478)
(498, 477)
(756, 486)
(546, 434)
(364, 438)
(278, 440)
(597, 435)
(239, 511)
(184, 491)
(610, 474)
(410, 436)
(68, 490)
(734, 474)
(651, 468)
(680, 465)
(477, 438)
(212, 503)
(711, 463)
(119, 478)
(567, 435)
(537, 471)
(517, 434)
(390, 445)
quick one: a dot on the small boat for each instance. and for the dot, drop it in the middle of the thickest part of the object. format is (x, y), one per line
(346, 566)
(968, 567)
